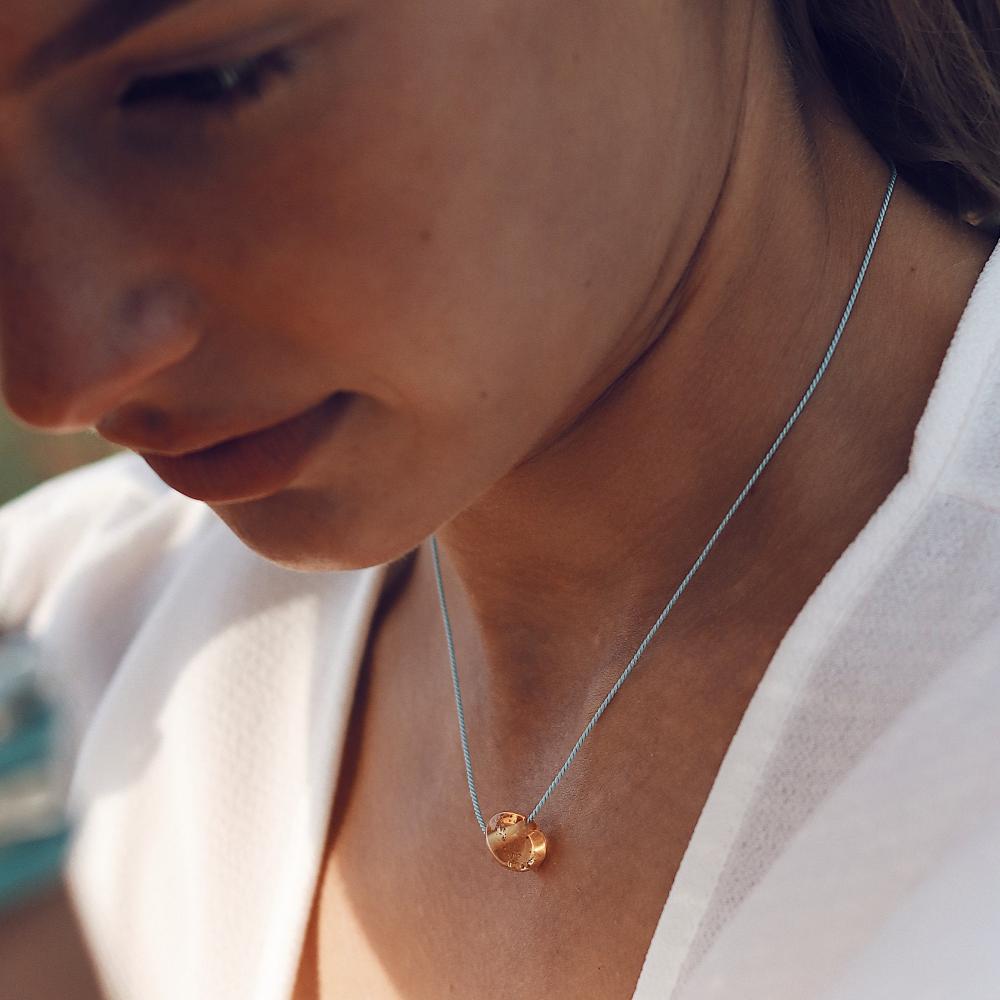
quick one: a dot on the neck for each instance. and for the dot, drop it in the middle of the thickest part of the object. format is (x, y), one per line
(556, 574)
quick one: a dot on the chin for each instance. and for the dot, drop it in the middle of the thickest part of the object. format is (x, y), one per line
(313, 533)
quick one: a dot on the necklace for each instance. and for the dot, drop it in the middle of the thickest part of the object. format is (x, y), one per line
(513, 838)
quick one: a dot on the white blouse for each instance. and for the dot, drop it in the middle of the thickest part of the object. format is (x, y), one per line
(849, 848)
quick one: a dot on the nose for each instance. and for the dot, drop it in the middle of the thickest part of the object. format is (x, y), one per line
(87, 314)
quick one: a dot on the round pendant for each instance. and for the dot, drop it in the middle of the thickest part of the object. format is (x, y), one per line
(515, 842)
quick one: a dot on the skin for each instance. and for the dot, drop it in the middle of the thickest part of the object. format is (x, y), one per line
(45, 925)
(573, 289)
(575, 264)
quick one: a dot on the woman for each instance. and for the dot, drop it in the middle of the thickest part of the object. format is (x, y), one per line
(544, 283)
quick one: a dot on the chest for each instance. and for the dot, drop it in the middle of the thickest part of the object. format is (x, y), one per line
(410, 904)
(439, 917)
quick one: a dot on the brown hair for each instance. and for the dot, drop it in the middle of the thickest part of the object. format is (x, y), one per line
(922, 80)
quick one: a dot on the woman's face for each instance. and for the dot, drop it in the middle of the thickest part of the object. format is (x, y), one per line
(419, 237)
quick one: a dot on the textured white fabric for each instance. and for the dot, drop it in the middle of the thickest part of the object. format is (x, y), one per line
(849, 848)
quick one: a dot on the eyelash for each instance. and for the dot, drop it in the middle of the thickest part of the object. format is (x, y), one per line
(221, 87)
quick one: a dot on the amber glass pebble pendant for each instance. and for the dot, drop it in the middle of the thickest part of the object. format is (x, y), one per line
(515, 842)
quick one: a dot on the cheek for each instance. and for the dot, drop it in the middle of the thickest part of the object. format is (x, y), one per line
(455, 228)
(397, 288)
(440, 189)
(439, 207)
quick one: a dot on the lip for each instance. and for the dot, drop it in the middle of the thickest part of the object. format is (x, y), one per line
(253, 465)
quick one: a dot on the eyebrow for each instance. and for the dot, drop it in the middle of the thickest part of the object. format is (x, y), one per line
(93, 29)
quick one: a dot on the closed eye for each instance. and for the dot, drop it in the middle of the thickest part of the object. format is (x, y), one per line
(224, 86)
